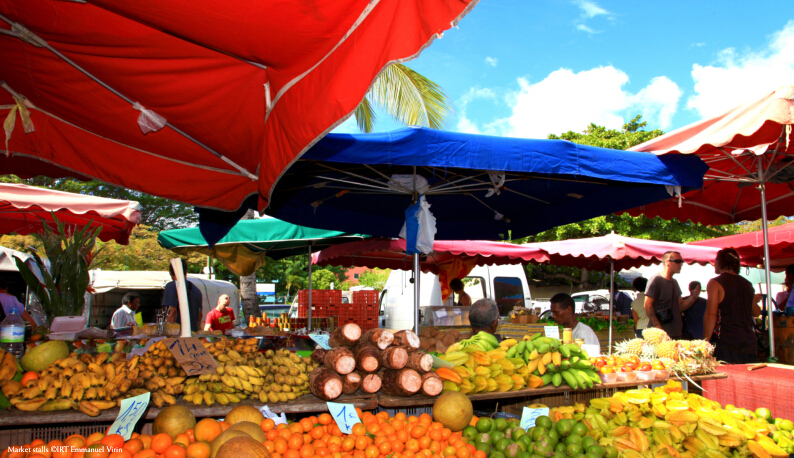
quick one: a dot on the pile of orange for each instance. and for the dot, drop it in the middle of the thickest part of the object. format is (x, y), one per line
(378, 436)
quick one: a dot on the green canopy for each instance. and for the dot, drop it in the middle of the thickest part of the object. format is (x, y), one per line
(244, 248)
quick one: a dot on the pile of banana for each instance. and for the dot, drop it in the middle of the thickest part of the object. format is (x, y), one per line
(278, 376)
(94, 383)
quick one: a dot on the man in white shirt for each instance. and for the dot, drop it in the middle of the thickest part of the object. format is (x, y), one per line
(563, 313)
(125, 315)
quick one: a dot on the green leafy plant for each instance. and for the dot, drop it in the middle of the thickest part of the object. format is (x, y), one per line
(66, 280)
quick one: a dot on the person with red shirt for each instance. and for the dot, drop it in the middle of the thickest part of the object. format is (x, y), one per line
(221, 317)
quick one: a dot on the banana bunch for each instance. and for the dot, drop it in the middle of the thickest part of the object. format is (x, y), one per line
(478, 371)
(550, 361)
(275, 376)
(668, 422)
(91, 383)
(482, 341)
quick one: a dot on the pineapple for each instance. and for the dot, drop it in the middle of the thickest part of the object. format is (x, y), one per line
(649, 353)
(701, 347)
(668, 349)
(634, 346)
(654, 335)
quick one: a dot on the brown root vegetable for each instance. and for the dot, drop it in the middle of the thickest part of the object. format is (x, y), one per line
(340, 359)
(381, 338)
(403, 382)
(426, 333)
(371, 383)
(406, 339)
(351, 382)
(434, 332)
(432, 385)
(394, 357)
(427, 343)
(318, 355)
(440, 347)
(346, 335)
(419, 361)
(367, 357)
(325, 384)
(449, 339)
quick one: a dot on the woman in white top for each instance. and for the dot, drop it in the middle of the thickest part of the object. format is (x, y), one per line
(638, 306)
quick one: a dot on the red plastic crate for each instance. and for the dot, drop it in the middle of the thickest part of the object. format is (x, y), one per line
(364, 323)
(366, 297)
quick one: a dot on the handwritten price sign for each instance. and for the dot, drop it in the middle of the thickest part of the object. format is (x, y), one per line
(529, 416)
(132, 410)
(191, 354)
(344, 415)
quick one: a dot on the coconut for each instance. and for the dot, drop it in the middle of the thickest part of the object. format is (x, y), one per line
(39, 357)
(250, 428)
(173, 420)
(242, 447)
(244, 413)
(225, 436)
(453, 410)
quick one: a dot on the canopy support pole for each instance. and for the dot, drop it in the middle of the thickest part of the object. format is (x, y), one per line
(765, 226)
(611, 299)
(416, 293)
(309, 305)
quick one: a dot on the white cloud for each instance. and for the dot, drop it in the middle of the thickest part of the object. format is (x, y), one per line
(590, 9)
(492, 61)
(464, 124)
(565, 101)
(739, 77)
(584, 28)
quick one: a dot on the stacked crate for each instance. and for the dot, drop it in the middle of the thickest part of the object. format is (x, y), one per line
(363, 310)
(324, 302)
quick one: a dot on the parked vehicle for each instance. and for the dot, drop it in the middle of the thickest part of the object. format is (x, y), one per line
(506, 284)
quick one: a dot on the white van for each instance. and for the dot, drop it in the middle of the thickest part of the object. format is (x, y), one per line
(505, 284)
(111, 286)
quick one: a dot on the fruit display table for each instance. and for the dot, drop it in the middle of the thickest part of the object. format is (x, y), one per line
(768, 387)
(304, 404)
(387, 401)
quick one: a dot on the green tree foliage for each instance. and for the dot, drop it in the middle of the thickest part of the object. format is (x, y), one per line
(158, 213)
(322, 279)
(633, 133)
(374, 278)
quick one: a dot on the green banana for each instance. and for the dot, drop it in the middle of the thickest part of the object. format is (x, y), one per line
(521, 346)
(570, 379)
(565, 351)
(556, 379)
(512, 351)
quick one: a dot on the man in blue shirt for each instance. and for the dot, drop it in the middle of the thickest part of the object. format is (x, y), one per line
(693, 316)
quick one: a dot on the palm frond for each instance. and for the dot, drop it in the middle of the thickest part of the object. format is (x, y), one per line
(365, 116)
(410, 98)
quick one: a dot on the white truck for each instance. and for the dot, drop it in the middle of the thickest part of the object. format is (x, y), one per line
(505, 284)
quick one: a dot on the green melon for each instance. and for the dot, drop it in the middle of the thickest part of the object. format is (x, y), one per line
(38, 358)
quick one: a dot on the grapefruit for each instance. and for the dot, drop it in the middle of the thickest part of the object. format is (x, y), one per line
(173, 420)
(453, 409)
(223, 438)
(250, 428)
(244, 413)
(242, 447)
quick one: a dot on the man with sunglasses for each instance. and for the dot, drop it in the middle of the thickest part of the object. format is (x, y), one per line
(663, 301)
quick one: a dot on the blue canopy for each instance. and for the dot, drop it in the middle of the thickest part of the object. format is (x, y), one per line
(479, 187)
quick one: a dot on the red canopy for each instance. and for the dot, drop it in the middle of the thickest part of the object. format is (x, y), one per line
(390, 254)
(751, 246)
(734, 144)
(255, 83)
(25, 209)
(596, 253)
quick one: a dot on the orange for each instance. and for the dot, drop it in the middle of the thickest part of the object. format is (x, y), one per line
(296, 428)
(325, 419)
(175, 451)
(146, 440)
(114, 441)
(145, 453)
(224, 425)
(96, 437)
(75, 440)
(446, 433)
(474, 420)
(361, 443)
(397, 446)
(207, 429)
(359, 429)
(267, 424)
(275, 455)
(371, 452)
(412, 445)
(435, 447)
(387, 429)
(384, 448)
(285, 433)
(97, 450)
(160, 442)
(373, 428)
(317, 432)
(122, 454)
(182, 439)
(191, 435)
(480, 454)
(403, 436)
(198, 450)
(272, 435)
(133, 446)
(290, 453)
(280, 445)
(28, 376)
(397, 424)
(349, 443)
(295, 442)
(307, 425)
(269, 445)
(418, 431)
(449, 451)
(463, 452)
(400, 416)
(436, 435)
(307, 451)
(322, 452)
(424, 442)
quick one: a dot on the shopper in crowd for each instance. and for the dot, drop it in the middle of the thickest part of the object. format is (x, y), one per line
(730, 311)
(9, 301)
(783, 298)
(663, 301)
(221, 317)
(638, 306)
(125, 315)
(484, 316)
(456, 285)
(621, 301)
(693, 316)
(194, 298)
(563, 312)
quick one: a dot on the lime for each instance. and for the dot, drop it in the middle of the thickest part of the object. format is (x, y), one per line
(763, 412)
(560, 455)
(523, 455)
(596, 450)
(591, 455)
(538, 433)
(501, 424)
(573, 449)
(553, 437)
(543, 421)
(502, 445)
(573, 439)
(610, 452)
(484, 447)
(535, 455)
(496, 455)
(543, 449)
(512, 450)
(470, 432)
(526, 439)
(484, 425)
(564, 427)
(496, 436)
(786, 425)
(560, 448)
(517, 432)
(587, 442)
(580, 429)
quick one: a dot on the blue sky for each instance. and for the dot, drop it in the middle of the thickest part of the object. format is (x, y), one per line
(527, 69)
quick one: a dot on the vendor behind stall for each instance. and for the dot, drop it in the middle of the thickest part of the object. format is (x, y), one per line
(221, 317)
(484, 316)
(562, 312)
(9, 302)
(456, 285)
(125, 315)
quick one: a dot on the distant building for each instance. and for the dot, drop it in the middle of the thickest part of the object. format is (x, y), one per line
(354, 273)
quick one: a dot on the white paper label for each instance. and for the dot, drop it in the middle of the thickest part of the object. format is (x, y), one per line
(131, 411)
(322, 340)
(552, 331)
(528, 417)
(344, 415)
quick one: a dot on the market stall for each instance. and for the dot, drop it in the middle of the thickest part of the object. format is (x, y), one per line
(753, 389)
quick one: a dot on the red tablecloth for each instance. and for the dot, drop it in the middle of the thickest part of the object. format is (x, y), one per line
(769, 387)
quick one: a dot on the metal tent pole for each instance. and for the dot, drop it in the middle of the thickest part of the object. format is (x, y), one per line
(309, 307)
(765, 226)
(416, 293)
(611, 299)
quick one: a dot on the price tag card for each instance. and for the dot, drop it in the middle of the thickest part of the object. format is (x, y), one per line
(552, 331)
(131, 411)
(322, 340)
(344, 415)
(278, 420)
(438, 362)
(529, 416)
(191, 354)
